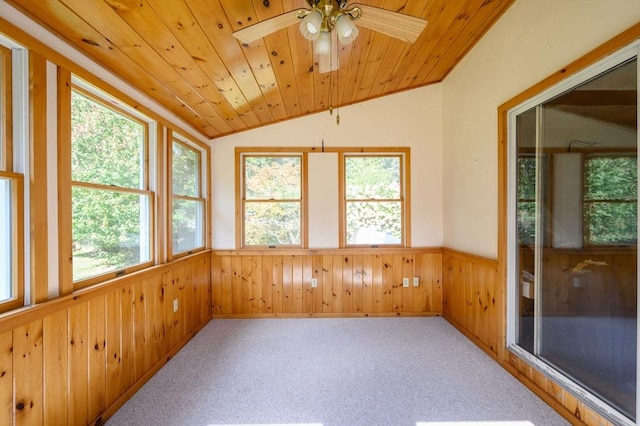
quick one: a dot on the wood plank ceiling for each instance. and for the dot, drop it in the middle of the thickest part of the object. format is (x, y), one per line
(182, 54)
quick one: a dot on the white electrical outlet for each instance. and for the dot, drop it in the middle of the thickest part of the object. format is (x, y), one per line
(314, 282)
(416, 281)
(405, 282)
(175, 305)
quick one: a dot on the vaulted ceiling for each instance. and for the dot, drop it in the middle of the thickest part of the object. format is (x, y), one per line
(182, 54)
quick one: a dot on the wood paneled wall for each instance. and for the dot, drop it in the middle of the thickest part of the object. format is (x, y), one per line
(473, 301)
(75, 360)
(350, 282)
(470, 297)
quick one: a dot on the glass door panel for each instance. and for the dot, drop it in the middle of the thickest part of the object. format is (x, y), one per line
(577, 234)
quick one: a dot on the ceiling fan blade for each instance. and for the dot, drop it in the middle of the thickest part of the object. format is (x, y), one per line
(268, 26)
(405, 27)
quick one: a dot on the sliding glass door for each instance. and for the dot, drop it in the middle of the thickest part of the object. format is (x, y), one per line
(573, 234)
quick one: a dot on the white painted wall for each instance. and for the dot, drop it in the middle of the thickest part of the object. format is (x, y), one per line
(409, 119)
(532, 40)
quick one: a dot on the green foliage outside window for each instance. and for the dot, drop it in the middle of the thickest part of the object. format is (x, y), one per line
(187, 206)
(526, 207)
(611, 188)
(107, 152)
(272, 206)
(373, 206)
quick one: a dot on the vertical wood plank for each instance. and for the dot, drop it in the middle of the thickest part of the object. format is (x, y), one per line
(367, 284)
(256, 285)
(377, 282)
(357, 284)
(407, 292)
(6, 378)
(417, 293)
(276, 276)
(216, 283)
(318, 292)
(397, 283)
(139, 342)
(27, 366)
(236, 285)
(327, 283)
(297, 284)
(79, 359)
(246, 278)
(437, 303)
(127, 337)
(56, 367)
(426, 271)
(114, 350)
(151, 287)
(226, 285)
(337, 285)
(97, 357)
(307, 291)
(38, 176)
(347, 284)
(387, 283)
(287, 284)
(267, 284)
(65, 234)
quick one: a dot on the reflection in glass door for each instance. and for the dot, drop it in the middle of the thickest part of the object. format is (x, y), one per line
(576, 198)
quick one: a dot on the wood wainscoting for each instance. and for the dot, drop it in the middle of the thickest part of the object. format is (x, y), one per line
(75, 360)
(472, 299)
(358, 282)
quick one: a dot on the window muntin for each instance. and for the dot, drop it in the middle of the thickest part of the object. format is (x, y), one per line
(374, 202)
(272, 208)
(188, 203)
(111, 203)
(610, 200)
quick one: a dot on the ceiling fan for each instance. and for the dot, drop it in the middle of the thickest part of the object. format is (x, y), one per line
(330, 21)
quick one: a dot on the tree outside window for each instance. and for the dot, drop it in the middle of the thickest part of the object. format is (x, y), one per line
(110, 201)
(373, 199)
(610, 200)
(272, 200)
(188, 204)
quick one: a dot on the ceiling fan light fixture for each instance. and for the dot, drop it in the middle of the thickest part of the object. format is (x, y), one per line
(311, 25)
(323, 44)
(346, 29)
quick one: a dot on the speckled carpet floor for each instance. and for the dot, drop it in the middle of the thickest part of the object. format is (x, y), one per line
(329, 372)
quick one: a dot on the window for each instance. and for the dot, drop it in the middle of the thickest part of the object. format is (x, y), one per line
(111, 202)
(373, 199)
(610, 200)
(272, 194)
(188, 204)
(11, 190)
(572, 234)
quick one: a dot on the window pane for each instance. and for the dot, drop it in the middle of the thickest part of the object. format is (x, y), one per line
(609, 178)
(374, 222)
(106, 147)
(187, 224)
(272, 223)
(372, 177)
(612, 223)
(186, 171)
(110, 231)
(272, 178)
(6, 286)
